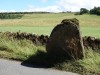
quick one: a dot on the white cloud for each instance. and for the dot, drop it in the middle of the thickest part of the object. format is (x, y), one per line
(75, 5)
(66, 5)
(63, 5)
(12, 11)
(7, 11)
(3, 11)
(53, 8)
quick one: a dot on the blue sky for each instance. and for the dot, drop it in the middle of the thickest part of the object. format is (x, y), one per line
(46, 5)
(21, 5)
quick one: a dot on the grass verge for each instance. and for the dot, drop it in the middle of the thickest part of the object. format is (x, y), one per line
(25, 50)
(17, 49)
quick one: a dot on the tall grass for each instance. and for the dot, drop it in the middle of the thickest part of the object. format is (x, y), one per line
(17, 49)
(90, 65)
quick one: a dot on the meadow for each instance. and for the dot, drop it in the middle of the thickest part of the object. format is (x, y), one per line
(43, 24)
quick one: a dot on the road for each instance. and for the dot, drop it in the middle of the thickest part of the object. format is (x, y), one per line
(8, 67)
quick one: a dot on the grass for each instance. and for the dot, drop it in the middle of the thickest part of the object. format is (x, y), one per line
(91, 31)
(50, 20)
(90, 65)
(17, 49)
(43, 24)
(86, 31)
(25, 50)
(36, 30)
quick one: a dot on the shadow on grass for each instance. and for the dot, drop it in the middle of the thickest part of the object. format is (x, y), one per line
(42, 60)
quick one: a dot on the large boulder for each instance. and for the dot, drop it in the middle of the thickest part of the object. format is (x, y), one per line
(66, 41)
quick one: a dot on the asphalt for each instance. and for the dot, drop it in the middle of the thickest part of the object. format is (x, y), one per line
(8, 67)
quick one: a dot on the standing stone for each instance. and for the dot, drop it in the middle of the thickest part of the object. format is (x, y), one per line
(65, 40)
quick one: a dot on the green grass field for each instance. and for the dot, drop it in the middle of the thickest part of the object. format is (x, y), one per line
(86, 31)
(44, 23)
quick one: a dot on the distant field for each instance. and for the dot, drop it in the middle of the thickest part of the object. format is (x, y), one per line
(44, 23)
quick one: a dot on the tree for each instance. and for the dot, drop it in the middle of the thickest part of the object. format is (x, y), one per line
(83, 11)
(95, 10)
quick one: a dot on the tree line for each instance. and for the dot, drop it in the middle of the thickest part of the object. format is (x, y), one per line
(10, 16)
(95, 10)
(17, 15)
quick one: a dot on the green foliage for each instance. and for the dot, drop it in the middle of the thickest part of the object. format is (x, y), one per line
(83, 11)
(77, 13)
(95, 10)
(10, 16)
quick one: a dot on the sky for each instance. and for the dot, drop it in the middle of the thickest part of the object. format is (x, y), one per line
(46, 5)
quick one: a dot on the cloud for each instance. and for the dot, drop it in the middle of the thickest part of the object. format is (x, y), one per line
(12, 11)
(53, 8)
(66, 5)
(3, 11)
(8, 11)
(75, 5)
(62, 5)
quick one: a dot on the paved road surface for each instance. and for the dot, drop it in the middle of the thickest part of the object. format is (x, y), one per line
(8, 67)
